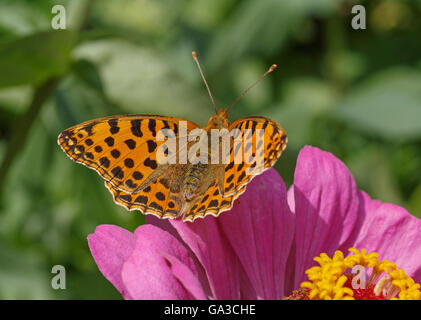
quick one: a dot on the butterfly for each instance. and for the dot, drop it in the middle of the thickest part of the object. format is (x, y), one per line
(127, 151)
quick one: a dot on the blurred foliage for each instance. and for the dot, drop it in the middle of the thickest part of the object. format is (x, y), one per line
(355, 93)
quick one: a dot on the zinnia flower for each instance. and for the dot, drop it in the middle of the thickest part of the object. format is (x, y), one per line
(267, 246)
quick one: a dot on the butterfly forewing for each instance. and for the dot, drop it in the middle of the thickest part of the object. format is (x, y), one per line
(257, 144)
(123, 149)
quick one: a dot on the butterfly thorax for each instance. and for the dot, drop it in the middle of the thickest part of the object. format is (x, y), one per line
(218, 121)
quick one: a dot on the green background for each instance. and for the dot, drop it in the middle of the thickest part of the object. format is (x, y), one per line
(356, 93)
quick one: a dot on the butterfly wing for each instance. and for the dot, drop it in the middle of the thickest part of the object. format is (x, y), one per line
(262, 143)
(211, 203)
(122, 149)
(258, 143)
(162, 198)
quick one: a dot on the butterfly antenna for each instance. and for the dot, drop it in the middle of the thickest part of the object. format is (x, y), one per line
(272, 67)
(194, 54)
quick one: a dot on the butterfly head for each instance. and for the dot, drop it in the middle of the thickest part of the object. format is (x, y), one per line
(219, 120)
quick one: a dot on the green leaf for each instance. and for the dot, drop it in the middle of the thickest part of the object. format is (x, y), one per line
(387, 105)
(304, 99)
(34, 58)
(89, 74)
(25, 17)
(141, 80)
(22, 275)
(261, 26)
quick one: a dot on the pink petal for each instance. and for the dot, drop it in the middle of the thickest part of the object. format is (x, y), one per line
(190, 280)
(395, 234)
(368, 204)
(260, 228)
(148, 273)
(327, 207)
(111, 246)
(164, 224)
(206, 239)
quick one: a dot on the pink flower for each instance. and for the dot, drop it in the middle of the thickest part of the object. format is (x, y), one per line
(263, 246)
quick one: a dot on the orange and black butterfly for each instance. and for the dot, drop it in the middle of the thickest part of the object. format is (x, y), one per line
(125, 151)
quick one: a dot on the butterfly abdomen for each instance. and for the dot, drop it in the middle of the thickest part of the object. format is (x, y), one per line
(193, 179)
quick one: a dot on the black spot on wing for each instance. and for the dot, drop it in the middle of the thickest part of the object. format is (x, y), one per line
(156, 206)
(126, 197)
(141, 199)
(88, 128)
(240, 167)
(150, 163)
(131, 144)
(229, 187)
(129, 163)
(152, 126)
(109, 141)
(206, 197)
(225, 203)
(213, 204)
(229, 167)
(117, 172)
(241, 177)
(112, 122)
(160, 196)
(229, 179)
(130, 184)
(151, 146)
(135, 128)
(113, 126)
(137, 175)
(80, 148)
(115, 153)
(105, 162)
(114, 130)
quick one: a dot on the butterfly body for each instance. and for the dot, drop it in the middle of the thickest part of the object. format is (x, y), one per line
(194, 173)
(122, 150)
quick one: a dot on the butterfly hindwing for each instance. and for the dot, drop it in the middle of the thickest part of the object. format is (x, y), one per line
(211, 203)
(257, 144)
(123, 149)
(162, 198)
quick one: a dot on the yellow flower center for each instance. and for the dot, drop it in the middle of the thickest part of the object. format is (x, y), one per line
(359, 276)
